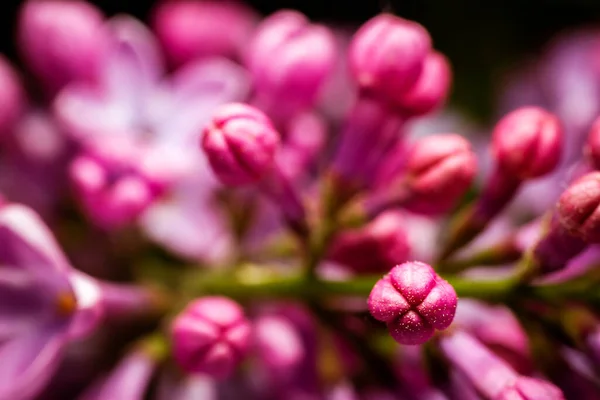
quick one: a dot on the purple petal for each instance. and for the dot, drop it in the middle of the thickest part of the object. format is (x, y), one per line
(134, 63)
(188, 223)
(29, 361)
(129, 380)
(23, 303)
(29, 244)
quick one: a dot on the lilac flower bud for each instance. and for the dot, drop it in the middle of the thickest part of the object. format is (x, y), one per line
(491, 375)
(112, 188)
(279, 346)
(414, 301)
(592, 147)
(240, 144)
(61, 40)
(290, 58)
(210, 336)
(305, 139)
(527, 142)
(387, 55)
(12, 98)
(439, 170)
(377, 247)
(190, 29)
(578, 208)
(431, 88)
(556, 248)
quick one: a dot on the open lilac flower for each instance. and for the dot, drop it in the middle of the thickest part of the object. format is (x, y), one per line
(38, 303)
(45, 303)
(133, 102)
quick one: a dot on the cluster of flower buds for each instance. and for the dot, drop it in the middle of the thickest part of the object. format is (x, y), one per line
(223, 207)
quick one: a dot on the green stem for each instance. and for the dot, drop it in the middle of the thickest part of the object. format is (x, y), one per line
(265, 286)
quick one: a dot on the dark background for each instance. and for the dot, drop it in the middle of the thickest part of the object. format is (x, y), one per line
(482, 38)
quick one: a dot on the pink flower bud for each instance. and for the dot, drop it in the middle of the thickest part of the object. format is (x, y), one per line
(527, 142)
(211, 336)
(61, 40)
(12, 98)
(440, 168)
(112, 190)
(387, 55)
(290, 58)
(414, 301)
(592, 148)
(431, 88)
(279, 346)
(190, 29)
(492, 376)
(525, 388)
(240, 144)
(578, 208)
(377, 247)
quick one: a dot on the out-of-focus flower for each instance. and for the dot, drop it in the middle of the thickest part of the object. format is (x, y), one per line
(45, 303)
(12, 98)
(61, 41)
(377, 247)
(192, 29)
(210, 336)
(289, 59)
(111, 188)
(160, 118)
(34, 163)
(129, 380)
(431, 88)
(387, 55)
(491, 375)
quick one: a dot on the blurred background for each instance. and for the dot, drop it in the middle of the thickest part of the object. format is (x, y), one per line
(483, 39)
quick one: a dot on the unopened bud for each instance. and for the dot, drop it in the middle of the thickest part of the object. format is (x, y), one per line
(387, 55)
(413, 301)
(527, 142)
(240, 144)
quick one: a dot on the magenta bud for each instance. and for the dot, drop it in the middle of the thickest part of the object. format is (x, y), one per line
(279, 345)
(112, 190)
(211, 336)
(61, 40)
(414, 301)
(440, 168)
(290, 59)
(377, 247)
(387, 55)
(527, 142)
(431, 88)
(240, 143)
(592, 147)
(12, 98)
(578, 208)
(190, 29)
(525, 388)
(492, 376)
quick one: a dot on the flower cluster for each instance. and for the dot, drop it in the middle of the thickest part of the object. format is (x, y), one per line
(222, 206)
